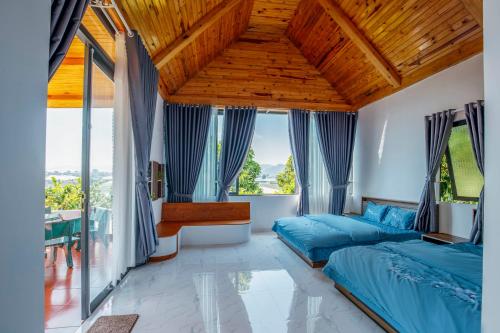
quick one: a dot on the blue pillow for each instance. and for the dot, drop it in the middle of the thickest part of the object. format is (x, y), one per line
(375, 212)
(400, 218)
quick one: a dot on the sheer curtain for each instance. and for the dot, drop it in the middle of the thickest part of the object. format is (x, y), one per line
(319, 189)
(206, 187)
(123, 206)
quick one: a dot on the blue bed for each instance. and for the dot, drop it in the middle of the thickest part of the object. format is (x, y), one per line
(414, 286)
(315, 237)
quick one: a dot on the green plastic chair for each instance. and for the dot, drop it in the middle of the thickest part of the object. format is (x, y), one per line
(98, 224)
(60, 235)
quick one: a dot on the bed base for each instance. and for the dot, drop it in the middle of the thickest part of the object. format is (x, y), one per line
(369, 312)
(313, 264)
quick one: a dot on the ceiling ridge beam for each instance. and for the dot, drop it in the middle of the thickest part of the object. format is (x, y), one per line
(360, 40)
(475, 8)
(163, 57)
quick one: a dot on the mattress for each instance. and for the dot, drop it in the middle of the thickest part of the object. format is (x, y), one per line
(415, 286)
(317, 236)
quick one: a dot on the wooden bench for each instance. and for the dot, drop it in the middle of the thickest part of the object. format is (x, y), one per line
(201, 223)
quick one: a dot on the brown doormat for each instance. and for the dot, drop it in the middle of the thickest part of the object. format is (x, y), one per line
(114, 324)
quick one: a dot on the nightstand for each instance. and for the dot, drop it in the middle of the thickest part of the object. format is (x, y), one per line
(440, 238)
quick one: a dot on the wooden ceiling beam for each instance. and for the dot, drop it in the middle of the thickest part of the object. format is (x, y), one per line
(263, 103)
(359, 39)
(475, 8)
(163, 57)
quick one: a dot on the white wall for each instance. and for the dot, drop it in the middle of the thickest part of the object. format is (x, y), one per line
(157, 149)
(264, 209)
(491, 265)
(24, 40)
(389, 157)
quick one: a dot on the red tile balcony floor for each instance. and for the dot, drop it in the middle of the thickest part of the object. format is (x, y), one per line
(63, 284)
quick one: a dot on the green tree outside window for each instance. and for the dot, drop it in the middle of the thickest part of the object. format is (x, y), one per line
(67, 196)
(286, 178)
(247, 179)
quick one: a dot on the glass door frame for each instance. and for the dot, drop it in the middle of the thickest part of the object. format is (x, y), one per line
(94, 54)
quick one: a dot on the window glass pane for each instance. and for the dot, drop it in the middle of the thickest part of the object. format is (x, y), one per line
(269, 165)
(460, 178)
(101, 182)
(63, 189)
(467, 178)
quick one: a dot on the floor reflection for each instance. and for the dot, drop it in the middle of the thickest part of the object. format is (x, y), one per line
(260, 286)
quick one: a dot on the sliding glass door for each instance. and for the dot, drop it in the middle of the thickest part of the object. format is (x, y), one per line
(97, 180)
(100, 227)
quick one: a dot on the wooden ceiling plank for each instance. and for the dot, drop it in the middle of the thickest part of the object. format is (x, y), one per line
(373, 55)
(462, 52)
(475, 8)
(445, 50)
(433, 41)
(188, 37)
(280, 77)
(385, 17)
(429, 23)
(438, 43)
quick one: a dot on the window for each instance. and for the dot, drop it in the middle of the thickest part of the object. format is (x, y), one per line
(268, 168)
(460, 178)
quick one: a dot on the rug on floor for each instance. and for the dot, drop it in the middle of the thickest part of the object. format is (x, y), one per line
(114, 324)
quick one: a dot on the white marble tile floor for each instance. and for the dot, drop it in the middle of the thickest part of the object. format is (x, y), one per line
(259, 286)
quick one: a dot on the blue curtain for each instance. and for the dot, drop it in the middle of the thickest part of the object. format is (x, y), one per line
(298, 129)
(143, 83)
(185, 132)
(336, 135)
(474, 115)
(65, 18)
(237, 134)
(437, 133)
(206, 187)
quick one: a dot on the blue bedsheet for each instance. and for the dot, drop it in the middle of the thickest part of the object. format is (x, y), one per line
(415, 286)
(317, 236)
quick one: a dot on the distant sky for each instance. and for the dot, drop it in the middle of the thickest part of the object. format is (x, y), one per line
(270, 140)
(64, 139)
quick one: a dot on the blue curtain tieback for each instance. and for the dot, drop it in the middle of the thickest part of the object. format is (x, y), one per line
(340, 187)
(183, 195)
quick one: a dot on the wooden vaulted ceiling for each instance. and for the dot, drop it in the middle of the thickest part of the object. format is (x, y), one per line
(313, 54)
(415, 38)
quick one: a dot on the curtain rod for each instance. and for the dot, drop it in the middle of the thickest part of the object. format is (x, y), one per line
(104, 5)
(455, 111)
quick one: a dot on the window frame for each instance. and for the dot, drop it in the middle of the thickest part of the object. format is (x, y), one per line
(94, 55)
(451, 172)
